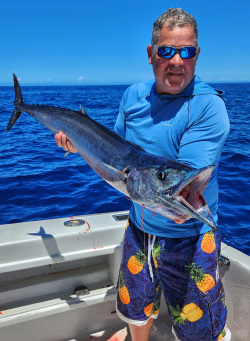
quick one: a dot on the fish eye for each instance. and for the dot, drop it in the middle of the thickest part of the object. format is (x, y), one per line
(161, 175)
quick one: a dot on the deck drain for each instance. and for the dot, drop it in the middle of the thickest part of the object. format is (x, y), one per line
(74, 222)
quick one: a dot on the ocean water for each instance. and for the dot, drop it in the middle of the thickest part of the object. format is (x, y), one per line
(37, 182)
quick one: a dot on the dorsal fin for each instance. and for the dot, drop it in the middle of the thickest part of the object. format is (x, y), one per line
(82, 110)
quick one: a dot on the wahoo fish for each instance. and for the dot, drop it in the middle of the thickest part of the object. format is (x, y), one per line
(153, 181)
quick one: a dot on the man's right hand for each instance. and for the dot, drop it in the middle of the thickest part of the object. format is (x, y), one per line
(62, 141)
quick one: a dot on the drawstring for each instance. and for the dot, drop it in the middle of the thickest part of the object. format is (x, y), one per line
(150, 251)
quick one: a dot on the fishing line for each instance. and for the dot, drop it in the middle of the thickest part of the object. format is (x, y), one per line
(195, 227)
(144, 258)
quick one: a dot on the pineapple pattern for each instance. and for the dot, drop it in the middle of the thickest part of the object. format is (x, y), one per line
(207, 243)
(203, 281)
(123, 291)
(152, 309)
(157, 248)
(136, 262)
(127, 224)
(190, 312)
(222, 334)
(186, 274)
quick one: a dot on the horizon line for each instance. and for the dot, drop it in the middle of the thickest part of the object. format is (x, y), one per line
(110, 84)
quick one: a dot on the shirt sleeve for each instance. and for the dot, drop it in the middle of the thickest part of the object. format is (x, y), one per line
(202, 143)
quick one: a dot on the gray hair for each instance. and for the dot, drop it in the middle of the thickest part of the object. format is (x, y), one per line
(172, 18)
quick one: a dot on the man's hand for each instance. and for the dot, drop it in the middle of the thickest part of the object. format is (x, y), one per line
(62, 141)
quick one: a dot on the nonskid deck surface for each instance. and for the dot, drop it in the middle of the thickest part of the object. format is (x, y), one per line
(161, 331)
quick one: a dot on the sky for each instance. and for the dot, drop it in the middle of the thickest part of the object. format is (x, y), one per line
(80, 42)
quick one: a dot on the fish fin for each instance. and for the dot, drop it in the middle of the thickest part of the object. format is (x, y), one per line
(13, 119)
(122, 174)
(82, 110)
(18, 92)
(18, 100)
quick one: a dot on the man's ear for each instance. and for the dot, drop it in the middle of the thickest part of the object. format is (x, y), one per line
(150, 51)
(198, 52)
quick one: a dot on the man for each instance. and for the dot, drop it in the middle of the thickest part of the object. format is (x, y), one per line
(181, 118)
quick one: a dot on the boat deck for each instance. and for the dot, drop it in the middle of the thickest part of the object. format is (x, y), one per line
(43, 264)
(161, 331)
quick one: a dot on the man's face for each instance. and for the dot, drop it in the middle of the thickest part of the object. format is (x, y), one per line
(173, 75)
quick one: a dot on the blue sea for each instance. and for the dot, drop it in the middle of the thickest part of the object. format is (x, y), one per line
(37, 182)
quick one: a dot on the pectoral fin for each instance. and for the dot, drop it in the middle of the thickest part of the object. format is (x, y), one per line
(123, 175)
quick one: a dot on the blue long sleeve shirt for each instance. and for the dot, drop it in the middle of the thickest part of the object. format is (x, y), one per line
(190, 127)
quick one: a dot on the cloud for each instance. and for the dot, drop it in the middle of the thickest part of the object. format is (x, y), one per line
(80, 78)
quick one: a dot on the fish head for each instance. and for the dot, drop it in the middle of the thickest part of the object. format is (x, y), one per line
(172, 189)
(149, 183)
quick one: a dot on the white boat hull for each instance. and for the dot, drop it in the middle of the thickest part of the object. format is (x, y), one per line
(42, 263)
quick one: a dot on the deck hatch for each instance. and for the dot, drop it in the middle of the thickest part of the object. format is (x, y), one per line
(74, 222)
(120, 217)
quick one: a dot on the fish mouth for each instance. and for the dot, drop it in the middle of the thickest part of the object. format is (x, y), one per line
(188, 195)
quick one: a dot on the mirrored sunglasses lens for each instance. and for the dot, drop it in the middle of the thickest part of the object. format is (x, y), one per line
(188, 52)
(166, 51)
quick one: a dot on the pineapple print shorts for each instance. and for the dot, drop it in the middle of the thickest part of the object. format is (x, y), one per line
(185, 270)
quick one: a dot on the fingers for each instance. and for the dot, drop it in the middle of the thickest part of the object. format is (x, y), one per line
(62, 141)
(177, 221)
(58, 139)
(71, 147)
(180, 221)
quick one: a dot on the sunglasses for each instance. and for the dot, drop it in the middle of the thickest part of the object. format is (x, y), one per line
(186, 52)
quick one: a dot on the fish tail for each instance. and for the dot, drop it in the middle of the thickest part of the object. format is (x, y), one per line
(18, 92)
(13, 119)
(18, 100)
